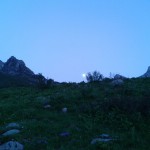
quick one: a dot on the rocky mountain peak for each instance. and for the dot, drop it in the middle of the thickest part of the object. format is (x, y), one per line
(147, 74)
(13, 62)
(13, 66)
(148, 70)
(1, 65)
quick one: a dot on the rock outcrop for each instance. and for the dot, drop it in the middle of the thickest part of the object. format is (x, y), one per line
(118, 76)
(147, 74)
(15, 73)
(12, 145)
(117, 82)
(14, 66)
(1, 65)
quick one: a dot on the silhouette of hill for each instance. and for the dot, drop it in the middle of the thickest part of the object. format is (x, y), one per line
(15, 73)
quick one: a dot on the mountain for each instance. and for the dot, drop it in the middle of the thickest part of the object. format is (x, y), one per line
(147, 74)
(14, 66)
(1, 64)
(15, 73)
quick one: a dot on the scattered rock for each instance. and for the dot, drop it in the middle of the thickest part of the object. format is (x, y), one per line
(42, 142)
(64, 110)
(117, 82)
(64, 134)
(47, 106)
(13, 125)
(94, 141)
(118, 76)
(42, 100)
(103, 138)
(11, 132)
(11, 145)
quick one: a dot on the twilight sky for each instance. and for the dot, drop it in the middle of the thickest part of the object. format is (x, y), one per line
(64, 38)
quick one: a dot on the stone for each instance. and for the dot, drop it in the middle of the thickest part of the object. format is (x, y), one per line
(11, 132)
(13, 125)
(64, 134)
(47, 106)
(147, 74)
(103, 138)
(64, 110)
(42, 141)
(11, 145)
(118, 76)
(94, 141)
(117, 82)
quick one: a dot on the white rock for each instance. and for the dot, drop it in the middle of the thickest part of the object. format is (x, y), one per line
(103, 138)
(13, 125)
(11, 145)
(117, 82)
(47, 106)
(64, 109)
(11, 132)
(94, 141)
(118, 76)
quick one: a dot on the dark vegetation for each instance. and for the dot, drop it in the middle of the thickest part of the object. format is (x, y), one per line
(93, 108)
(12, 81)
(94, 77)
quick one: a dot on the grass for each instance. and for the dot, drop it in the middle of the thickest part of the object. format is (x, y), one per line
(93, 109)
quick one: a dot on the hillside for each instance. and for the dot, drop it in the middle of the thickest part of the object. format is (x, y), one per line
(90, 109)
(14, 73)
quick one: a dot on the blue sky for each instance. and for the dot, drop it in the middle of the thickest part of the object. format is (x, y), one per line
(64, 38)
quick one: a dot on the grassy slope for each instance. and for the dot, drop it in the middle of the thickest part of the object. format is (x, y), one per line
(12, 81)
(93, 109)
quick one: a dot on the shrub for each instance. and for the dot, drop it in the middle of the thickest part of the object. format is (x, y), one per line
(94, 77)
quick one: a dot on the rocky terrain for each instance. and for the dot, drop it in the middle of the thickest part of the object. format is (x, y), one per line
(147, 74)
(14, 72)
(110, 114)
(14, 66)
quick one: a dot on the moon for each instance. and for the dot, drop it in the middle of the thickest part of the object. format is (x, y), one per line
(84, 75)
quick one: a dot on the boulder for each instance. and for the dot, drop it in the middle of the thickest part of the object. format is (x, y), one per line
(11, 145)
(64, 134)
(118, 76)
(117, 82)
(11, 132)
(47, 106)
(13, 125)
(103, 138)
(64, 110)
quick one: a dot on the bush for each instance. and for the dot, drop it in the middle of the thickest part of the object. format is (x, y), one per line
(94, 77)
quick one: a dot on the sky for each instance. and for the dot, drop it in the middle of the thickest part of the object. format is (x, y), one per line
(62, 39)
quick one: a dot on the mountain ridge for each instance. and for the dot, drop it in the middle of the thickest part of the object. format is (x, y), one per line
(14, 66)
(14, 72)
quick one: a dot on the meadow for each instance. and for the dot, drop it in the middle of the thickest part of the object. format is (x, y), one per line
(92, 109)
